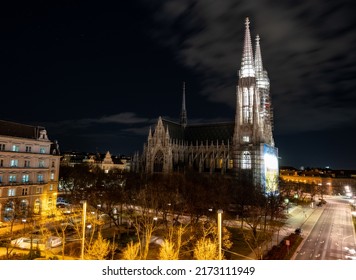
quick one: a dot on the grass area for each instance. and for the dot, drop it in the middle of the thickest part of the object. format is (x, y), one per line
(239, 247)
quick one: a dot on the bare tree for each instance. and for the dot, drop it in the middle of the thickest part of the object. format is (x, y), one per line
(98, 250)
(206, 249)
(131, 252)
(172, 244)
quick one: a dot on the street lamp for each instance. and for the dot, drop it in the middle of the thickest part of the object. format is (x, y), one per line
(83, 226)
(219, 231)
(24, 223)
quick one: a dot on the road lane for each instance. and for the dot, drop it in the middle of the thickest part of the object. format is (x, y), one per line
(329, 235)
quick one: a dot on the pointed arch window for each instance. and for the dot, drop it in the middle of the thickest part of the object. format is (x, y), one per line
(246, 160)
(247, 102)
(158, 162)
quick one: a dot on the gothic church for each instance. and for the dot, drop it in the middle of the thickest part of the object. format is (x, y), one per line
(242, 147)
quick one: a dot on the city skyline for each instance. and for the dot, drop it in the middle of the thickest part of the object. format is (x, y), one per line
(98, 77)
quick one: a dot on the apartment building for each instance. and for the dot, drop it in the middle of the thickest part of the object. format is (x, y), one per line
(29, 170)
(328, 181)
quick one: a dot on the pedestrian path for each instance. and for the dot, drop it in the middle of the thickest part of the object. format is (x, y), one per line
(297, 218)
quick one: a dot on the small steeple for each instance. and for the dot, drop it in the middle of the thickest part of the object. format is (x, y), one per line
(247, 63)
(258, 56)
(183, 114)
(167, 133)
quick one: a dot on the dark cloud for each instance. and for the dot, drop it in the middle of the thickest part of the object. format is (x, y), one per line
(126, 118)
(306, 48)
(122, 118)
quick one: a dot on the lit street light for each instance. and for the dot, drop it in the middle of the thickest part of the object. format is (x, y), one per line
(24, 223)
(83, 226)
(219, 231)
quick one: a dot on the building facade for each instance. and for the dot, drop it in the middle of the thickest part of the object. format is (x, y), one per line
(29, 170)
(105, 161)
(326, 181)
(243, 147)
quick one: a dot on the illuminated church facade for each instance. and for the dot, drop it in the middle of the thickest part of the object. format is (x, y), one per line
(244, 147)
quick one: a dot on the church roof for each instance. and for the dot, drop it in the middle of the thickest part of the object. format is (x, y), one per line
(200, 132)
(210, 132)
(176, 131)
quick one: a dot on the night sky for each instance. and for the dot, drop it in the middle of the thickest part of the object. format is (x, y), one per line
(98, 74)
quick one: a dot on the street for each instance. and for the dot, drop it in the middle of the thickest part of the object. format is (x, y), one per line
(328, 233)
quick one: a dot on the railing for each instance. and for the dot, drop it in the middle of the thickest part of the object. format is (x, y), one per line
(24, 167)
(23, 183)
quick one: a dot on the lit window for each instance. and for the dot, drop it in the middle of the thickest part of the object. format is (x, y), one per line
(12, 178)
(51, 187)
(25, 178)
(0, 179)
(52, 176)
(14, 163)
(247, 104)
(11, 192)
(39, 190)
(40, 177)
(41, 163)
(246, 160)
(37, 206)
(15, 148)
(42, 150)
(246, 139)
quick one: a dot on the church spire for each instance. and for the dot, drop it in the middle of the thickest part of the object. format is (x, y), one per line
(258, 56)
(247, 63)
(183, 114)
(262, 79)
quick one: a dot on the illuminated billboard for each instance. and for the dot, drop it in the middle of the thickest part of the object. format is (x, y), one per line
(270, 168)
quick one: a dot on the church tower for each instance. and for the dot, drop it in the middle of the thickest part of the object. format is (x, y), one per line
(263, 87)
(254, 155)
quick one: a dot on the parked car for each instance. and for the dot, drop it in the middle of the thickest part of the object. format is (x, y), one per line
(62, 204)
(54, 241)
(66, 208)
(36, 242)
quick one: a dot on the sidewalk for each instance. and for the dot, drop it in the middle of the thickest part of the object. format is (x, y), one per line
(298, 216)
